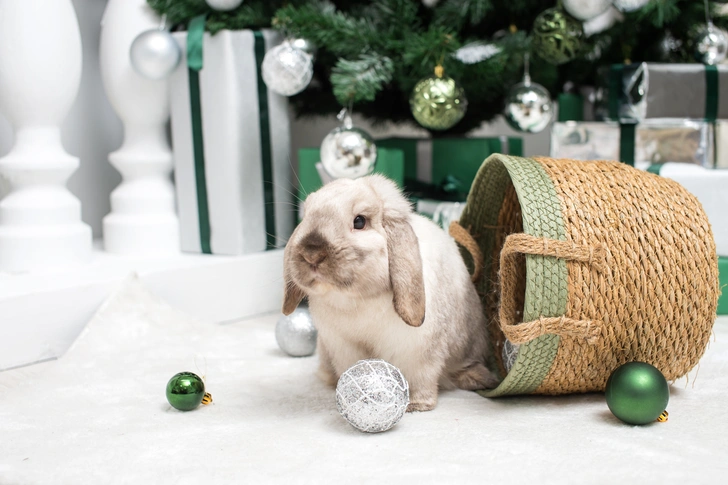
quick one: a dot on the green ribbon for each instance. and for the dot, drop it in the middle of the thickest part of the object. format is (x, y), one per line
(265, 144)
(450, 189)
(627, 133)
(195, 36)
(571, 107)
(655, 168)
(615, 90)
(711, 93)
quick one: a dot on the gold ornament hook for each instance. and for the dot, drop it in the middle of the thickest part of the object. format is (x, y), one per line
(207, 398)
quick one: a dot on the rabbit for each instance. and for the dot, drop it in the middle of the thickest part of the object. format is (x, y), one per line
(383, 282)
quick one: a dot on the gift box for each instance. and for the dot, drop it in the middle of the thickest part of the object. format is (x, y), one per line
(311, 176)
(723, 275)
(651, 141)
(651, 90)
(231, 143)
(444, 168)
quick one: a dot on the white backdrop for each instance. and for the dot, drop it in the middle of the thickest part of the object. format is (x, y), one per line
(92, 129)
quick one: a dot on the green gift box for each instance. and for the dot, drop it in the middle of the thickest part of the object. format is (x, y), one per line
(723, 276)
(390, 162)
(447, 164)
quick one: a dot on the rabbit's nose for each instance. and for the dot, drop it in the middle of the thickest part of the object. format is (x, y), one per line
(315, 258)
(314, 248)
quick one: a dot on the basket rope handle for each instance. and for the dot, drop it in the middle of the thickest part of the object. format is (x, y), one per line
(518, 333)
(463, 237)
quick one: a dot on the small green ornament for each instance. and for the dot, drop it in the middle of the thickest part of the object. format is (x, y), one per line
(637, 393)
(557, 36)
(186, 390)
(438, 102)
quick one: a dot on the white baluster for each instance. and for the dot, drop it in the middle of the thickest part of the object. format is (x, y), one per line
(143, 218)
(40, 71)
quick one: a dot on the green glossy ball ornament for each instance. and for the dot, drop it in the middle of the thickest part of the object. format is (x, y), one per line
(438, 102)
(557, 36)
(637, 393)
(186, 390)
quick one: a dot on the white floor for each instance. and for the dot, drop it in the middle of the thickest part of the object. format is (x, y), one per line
(98, 415)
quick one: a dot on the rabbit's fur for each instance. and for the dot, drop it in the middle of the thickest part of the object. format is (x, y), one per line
(396, 289)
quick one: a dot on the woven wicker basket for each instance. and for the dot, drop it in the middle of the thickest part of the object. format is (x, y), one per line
(587, 266)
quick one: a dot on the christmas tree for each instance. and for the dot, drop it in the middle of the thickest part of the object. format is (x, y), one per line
(371, 54)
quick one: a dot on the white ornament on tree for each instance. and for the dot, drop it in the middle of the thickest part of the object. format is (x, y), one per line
(154, 54)
(224, 5)
(586, 9)
(40, 72)
(287, 70)
(143, 218)
(602, 22)
(630, 5)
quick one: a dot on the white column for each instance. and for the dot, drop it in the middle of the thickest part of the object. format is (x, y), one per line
(40, 71)
(143, 218)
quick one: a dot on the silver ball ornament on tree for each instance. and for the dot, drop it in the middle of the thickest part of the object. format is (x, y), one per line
(296, 333)
(372, 395)
(711, 45)
(154, 54)
(586, 9)
(224, 5)
(287, 70)
(529, 107)
(347, 151)
(305, 45)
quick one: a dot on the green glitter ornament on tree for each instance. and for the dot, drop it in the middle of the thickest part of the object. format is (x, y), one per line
(637, 393)
(186, 390)
(438, 102)
(557, 36)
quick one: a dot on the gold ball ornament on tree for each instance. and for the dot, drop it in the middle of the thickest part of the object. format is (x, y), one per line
(438, 102)
(348, 151)
(557, 36)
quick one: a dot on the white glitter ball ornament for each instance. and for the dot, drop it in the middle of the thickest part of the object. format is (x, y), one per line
(287, 70)
(224, 5)
(586, 9)
(296, 334)
(372, 395)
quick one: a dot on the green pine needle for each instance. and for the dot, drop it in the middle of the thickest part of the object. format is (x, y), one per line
(361, 79)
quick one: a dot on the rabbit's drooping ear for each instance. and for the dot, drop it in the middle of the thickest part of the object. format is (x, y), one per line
(292, 293)
(405, 272)
(405, 263)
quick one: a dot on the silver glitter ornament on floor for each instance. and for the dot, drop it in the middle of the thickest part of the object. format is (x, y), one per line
(154, 54)
(347, 151)
(711, 45)
(287, 70)
(296, 333)
(224, 5)
(510, 354)
(372, 395)
(528, 105)
(586, 9)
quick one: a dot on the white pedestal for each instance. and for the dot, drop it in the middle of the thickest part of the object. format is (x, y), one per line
(143, 218)
(40, 70)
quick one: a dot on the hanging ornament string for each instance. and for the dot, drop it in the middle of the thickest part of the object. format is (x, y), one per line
(528, 105)
(711, 44)
(154, 54)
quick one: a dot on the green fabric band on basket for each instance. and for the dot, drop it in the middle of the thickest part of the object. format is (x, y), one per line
(547, 277)
(195, 37)
(711, 93)
(265, 146)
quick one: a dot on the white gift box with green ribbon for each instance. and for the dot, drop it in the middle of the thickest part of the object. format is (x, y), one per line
(231, 140)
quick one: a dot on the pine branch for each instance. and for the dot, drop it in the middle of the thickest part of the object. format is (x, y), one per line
(659, 12)
(457, 13)
(361, 79)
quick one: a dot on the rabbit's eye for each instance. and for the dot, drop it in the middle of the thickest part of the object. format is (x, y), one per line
(359, 222)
